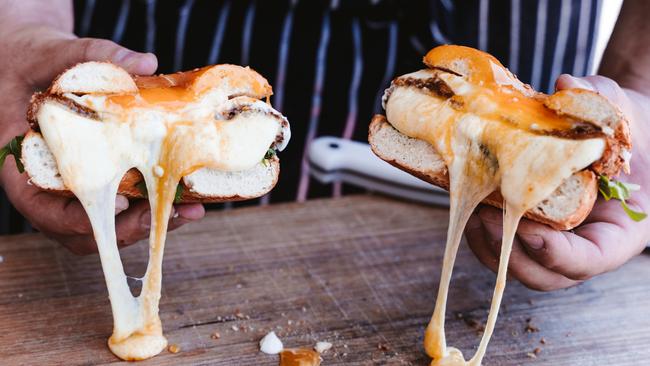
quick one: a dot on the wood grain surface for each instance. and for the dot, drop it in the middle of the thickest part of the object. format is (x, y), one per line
(360, 272)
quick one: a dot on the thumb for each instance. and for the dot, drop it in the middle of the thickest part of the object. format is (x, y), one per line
(67, 52)
(599, 84)
(566, 81)
(94, 49)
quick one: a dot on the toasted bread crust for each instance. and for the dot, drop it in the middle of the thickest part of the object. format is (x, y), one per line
(441, 179)
(616, 147)
(119, 74)
(129, 188)
(39, 98)
(201, 78)
(590, 194)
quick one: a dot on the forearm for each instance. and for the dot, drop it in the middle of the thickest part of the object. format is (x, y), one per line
(627, 56)
(56, 14)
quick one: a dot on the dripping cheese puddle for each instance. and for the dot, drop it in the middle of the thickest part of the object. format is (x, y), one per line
(164, 145)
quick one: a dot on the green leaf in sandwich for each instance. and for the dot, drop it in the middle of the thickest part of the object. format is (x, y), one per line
(13, 147)
(610, 188)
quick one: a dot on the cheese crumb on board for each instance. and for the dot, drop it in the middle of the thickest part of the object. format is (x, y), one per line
(271, 344)
(321, 347)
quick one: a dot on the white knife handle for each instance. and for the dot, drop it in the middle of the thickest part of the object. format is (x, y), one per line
(332, 154)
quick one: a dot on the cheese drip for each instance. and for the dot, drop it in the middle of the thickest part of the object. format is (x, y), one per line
(164, 142)
(484, 152)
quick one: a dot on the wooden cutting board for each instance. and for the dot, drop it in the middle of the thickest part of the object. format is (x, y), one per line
(359, 272)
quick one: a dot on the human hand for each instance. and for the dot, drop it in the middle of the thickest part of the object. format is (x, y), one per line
(546, 259)
(30, 57)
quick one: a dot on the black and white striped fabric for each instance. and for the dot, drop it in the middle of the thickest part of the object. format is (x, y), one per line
(329, 61)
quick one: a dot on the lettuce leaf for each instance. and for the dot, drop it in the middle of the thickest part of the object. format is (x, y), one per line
(610, 188)
(14, 148)
(269, 154)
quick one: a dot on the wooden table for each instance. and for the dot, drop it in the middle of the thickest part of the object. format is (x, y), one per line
(360, 272)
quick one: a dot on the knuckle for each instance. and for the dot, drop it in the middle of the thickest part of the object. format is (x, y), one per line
(550, 260)
(91, 47)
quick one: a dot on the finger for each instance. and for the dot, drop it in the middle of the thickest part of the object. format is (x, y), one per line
(520, 266)
(46, 211)
(534, 275)
(93, 49)
(477, 239)
(608, 88)
(121, 204)
(589, 250)
(566, 81)
(185, 213)
(613, 251)
(64, 215)
(190, 211)
(133, 224)
(575, 258)
(63, 54)
(600, 84)
(129, 230)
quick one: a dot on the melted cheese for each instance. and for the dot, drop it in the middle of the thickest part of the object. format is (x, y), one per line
(487, 145)
(166, 133)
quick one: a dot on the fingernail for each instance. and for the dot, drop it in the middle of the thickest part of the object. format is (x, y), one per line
(145, 219)
(576, 82)
(534, 242)
(135, 62)
(190, 211)
(121, 204)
